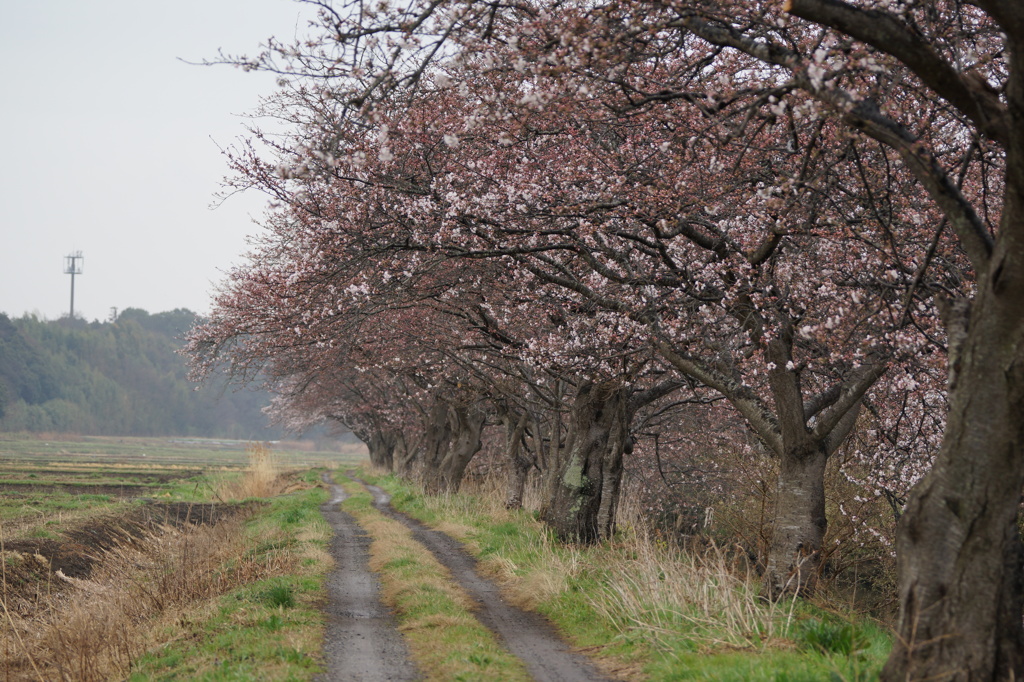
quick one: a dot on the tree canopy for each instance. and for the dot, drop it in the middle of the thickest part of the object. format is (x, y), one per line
(800, 209)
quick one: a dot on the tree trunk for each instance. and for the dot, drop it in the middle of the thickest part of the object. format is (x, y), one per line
(583, 493)
(612, 484)
(382, 446)
(437, 438)
(379, 444)
(519, 464)
(468, 427)
(404, 456)
(958, 546)
(448, 457)
(803, 433)
(542, 448)
(794, 557)
(515, 487)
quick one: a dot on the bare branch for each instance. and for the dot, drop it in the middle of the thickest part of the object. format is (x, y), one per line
(885, 32)
(761, 420)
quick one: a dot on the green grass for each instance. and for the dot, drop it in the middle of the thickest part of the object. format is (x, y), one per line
(269, 629)
(279, 595)
(631, 600)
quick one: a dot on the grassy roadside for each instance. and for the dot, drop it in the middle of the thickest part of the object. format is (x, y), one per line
(649, 612)
(235, 599)
(445, 640)
(270, 625)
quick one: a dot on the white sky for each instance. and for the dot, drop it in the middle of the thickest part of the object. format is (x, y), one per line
(109, 145)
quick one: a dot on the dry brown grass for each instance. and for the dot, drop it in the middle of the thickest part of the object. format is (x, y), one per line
(263, 478)
(543, 581)
(93, 629)
(653, 586)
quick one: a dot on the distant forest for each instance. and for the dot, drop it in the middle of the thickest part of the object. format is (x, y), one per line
(116, 378)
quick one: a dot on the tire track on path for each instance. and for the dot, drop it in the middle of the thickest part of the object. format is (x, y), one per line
(526, 634)
(362, 641)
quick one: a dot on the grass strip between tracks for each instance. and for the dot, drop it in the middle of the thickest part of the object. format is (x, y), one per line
(434, 615)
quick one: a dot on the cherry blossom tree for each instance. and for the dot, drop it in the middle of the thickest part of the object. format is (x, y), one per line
(613, 231)
(876, 70)
(327, 309)
(795, 186)
(484, 176)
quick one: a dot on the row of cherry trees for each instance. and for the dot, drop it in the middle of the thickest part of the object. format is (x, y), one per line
(567, 218)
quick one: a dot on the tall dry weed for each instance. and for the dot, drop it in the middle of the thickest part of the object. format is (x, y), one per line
(655, 587)
(262, 478)
(656, 590)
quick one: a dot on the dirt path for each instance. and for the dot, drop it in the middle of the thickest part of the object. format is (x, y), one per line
(362, 642)
(526, 635)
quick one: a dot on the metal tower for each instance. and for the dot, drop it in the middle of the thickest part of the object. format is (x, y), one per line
(73, 266)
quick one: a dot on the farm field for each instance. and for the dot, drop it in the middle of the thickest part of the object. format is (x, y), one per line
(155, 527)
(146, 453)
(49, 480)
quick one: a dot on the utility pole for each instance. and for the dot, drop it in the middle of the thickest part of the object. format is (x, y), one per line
(73, 266)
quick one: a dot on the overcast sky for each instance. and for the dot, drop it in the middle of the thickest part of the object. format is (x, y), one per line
(109, 146)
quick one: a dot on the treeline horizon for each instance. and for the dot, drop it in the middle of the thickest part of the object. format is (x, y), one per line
(119, 377)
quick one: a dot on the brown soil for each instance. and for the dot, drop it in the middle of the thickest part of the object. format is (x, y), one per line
(12, 489)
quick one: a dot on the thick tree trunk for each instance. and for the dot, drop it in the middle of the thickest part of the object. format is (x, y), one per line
(444, 467)
(519, 464)
(958, 547)
(379, 444)
(404, 456)
(468, 427)
(583, 492)
(794, 557)
(437, 439)
(611, 486)
(382, 446)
